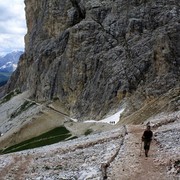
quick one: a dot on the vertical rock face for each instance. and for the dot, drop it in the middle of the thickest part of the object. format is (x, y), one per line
(92, 54)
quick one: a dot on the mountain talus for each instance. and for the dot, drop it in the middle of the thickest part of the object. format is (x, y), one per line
(95, 56)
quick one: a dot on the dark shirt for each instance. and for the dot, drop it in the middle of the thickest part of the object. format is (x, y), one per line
(147, 135)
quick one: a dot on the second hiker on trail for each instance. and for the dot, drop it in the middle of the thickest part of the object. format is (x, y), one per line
(146, 138)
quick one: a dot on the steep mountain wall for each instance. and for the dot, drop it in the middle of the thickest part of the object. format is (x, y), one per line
(94, 54)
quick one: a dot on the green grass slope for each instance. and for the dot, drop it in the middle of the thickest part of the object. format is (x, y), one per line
(56, 135)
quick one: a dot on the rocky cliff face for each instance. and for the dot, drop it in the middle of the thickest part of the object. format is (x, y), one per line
(92, 55)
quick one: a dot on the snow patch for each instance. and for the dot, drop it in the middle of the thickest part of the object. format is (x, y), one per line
(14, 67)
(114, 119)
(75, 120)
(9, 65)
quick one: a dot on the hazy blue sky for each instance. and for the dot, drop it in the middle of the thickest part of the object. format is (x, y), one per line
(12, 26)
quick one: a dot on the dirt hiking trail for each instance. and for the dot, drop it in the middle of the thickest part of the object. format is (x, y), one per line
(131, 163)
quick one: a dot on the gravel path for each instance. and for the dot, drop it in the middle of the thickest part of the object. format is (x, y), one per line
(114, 153)
(132, 164)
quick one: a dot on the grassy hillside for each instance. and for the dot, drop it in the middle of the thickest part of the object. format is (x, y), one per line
(53, 136)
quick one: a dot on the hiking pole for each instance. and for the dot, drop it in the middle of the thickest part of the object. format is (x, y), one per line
(140, 148)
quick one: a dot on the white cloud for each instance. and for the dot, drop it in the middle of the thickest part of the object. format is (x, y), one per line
(12, 25)
(11, 42)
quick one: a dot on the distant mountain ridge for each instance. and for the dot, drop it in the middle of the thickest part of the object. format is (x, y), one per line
(8, 64)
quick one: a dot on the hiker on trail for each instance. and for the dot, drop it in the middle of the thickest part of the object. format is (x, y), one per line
(146, 138)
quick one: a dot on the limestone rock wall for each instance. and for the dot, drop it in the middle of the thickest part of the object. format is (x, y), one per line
(93, 55)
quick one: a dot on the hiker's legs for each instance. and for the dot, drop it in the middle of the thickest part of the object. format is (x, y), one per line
(146, 147)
